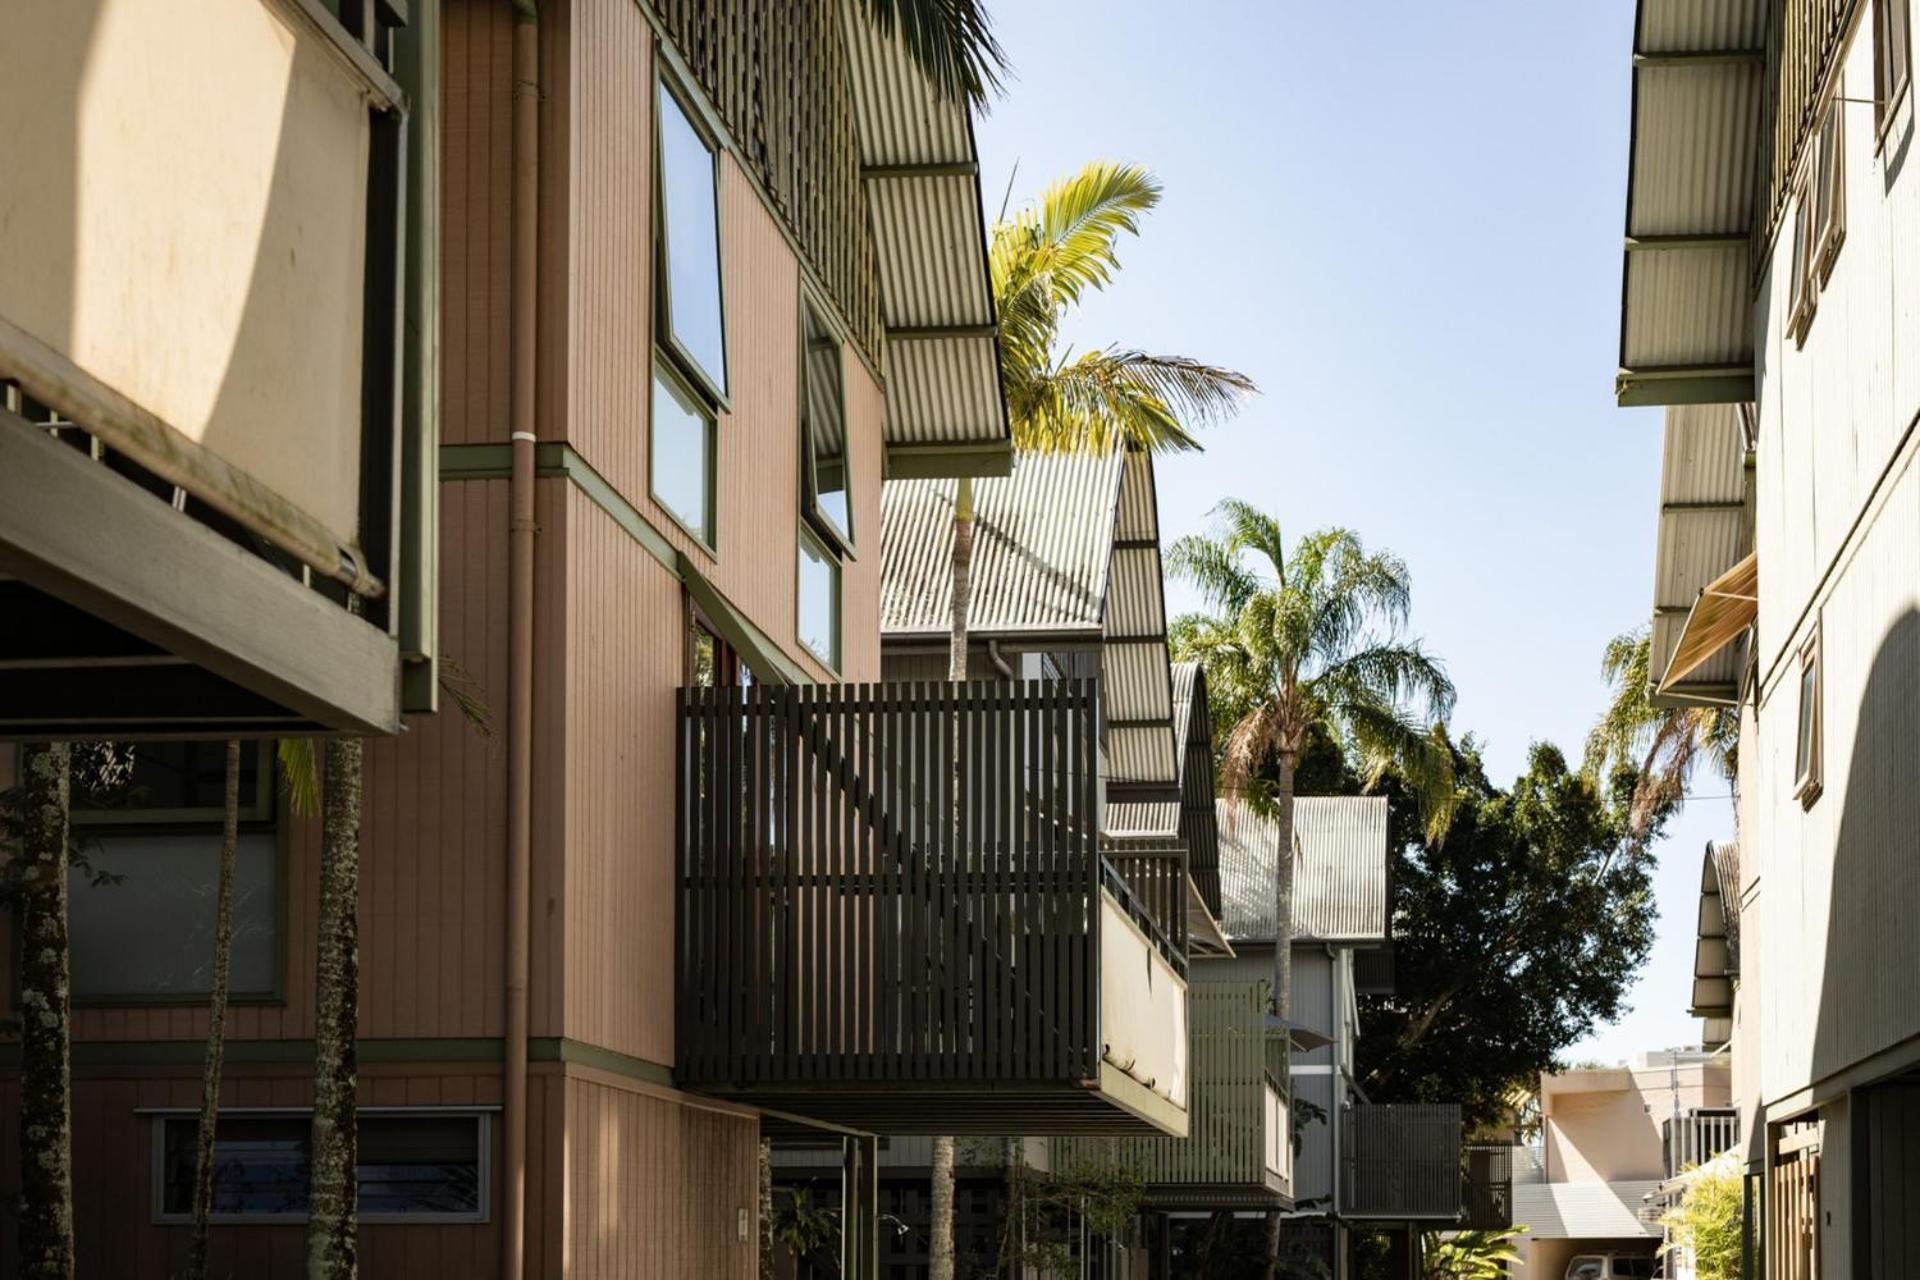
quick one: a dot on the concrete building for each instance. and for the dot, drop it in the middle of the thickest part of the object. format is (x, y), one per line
(1771, 302)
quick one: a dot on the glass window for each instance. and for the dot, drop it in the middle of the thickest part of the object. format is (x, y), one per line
(142, 925)
(1587, 1269)
(1806, 749)
(1830, 190)
(819, 610)
(1892, 53)
(179, 782)
(1633, 1268)
(691, 317)
(410, 1165)
(682, 454)
(824, 428)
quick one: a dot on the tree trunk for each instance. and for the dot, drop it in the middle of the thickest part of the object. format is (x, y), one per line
(216, 1023)
(46, 1092)
(1283, 893)
(332, 1247)
(766, 1209)
(940, 1229)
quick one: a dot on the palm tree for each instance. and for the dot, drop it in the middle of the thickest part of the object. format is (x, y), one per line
(1304, 643)
(216, 1023)
(46, 1094)
(1661, 745)
(332, 1218)
(1044, 260)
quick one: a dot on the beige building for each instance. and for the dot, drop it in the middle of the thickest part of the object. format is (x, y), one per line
(1772, 297)
(1609, 1136)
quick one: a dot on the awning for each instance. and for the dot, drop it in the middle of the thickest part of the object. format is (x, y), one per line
(1204, 938)
(1724, 610)
(1686, 306)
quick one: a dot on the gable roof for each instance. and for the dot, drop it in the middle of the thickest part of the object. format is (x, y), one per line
(1066, 548)
(1340, 870)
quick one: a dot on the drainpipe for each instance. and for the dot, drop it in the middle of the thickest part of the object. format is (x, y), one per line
(999, 663)
(520, 533)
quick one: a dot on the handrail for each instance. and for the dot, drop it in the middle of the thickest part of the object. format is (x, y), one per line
(1116, 884)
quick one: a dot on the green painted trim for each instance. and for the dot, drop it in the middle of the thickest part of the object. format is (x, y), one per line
(1710, 384)
(581, 1054)
(494, 462)
(949, 461)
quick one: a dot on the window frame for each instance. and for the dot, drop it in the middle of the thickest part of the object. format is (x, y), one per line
(1801, 301)
(664, 367)
(1888, 93)
(665, 340)
(806, 534)
(839, 541)
(1808, 771)
(160, 1117)
(1830, 189)
(97, 824)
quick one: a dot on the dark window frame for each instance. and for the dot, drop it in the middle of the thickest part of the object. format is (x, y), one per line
(666, 370)
(1892, 30)
(717, 392)
(832, 662)
(840, 542)
(482, 1117)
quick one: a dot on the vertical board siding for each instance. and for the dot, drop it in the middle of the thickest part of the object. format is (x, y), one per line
(657, 1187)
(476, 200)
(624, 628)
(113, 1169)
(861, 863)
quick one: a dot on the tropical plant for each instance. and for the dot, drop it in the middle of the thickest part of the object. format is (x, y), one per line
(1660, 745)
(1470, 1255)
(1708, 1222)
(1304, 642)
(952, 42)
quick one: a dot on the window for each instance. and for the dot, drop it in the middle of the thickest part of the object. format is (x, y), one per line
(690, 315)
(825, 482)
(1806, 749)
(1892, 56)
(712, 663)
(1632, 1268)
(141, 917)
(1587, 1269)
(819, 606)
(1800, 293)
(1830, 191)
(420, 1165)
(682, 453)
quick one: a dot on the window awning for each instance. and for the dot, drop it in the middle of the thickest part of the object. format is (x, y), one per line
(1724, 610)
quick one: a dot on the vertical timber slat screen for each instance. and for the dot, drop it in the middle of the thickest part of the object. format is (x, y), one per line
(1402, 1160)
(1489, 1188)
(887, 882)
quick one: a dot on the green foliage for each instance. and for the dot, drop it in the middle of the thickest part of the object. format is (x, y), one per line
(1658, 748)
(1513, 934)
(1470, 1255)
(1307, 649)
(1050, 1212)
(951, 41)
(1045, 259)
(1708, 1220)
(799, 1225)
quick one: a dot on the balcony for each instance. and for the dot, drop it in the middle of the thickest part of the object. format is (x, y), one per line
(1487, 1191)
(1401, 1162)
(1698, 1137)
(894, 915)
(204, 455)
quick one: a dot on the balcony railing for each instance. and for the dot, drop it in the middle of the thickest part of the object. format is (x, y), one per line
(893, 908)
(1487, 1190)
(1401, 1161)
(1699, 1136)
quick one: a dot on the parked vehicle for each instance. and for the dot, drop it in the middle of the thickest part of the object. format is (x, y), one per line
(1613, 1266)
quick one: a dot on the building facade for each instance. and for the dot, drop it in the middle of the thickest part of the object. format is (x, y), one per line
(1772, 285)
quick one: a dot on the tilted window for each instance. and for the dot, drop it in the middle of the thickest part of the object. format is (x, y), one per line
(413, 1165)
(691, 316)
(1892, 55)
(1806, 749)
(1830, 189)
(827, 489)
(140, 913)
(681, 452)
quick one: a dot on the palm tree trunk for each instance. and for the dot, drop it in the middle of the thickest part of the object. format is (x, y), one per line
(46, 1087)
(332, 1246)
(940, 1229)
(1283, 891)
(216, 1023)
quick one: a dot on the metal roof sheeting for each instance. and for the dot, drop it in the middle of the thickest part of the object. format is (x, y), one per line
(1704, 530)
(1686, 331)
(921, 168)
(1339, 877)
(1716, 955)
(1584, 1210)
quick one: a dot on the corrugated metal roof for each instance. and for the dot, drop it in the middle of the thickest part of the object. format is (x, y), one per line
(1339, 877)
(921, 167)
(1716, 955)
(1704, 530)
(1162, 817)
(1686, 331)
(1584, 1210)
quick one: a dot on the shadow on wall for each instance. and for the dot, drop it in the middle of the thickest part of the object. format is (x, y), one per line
(1869, 997)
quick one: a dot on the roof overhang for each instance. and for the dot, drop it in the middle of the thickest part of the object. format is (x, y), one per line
(946, 414)
(1705, 527)
(1136, 672)
(1715, 959)
(1205, 940)
(1686, 316)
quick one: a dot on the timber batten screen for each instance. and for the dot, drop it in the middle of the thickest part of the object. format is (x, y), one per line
(891, 904)
(1401, 1161)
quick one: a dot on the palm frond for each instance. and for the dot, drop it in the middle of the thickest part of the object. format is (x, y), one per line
(1392, 673)
(1244, 525)
(1387, 737)
(951, 41)
(1213, 568)
(299, 775)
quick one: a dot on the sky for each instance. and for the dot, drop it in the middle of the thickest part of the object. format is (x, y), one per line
(1404, 222)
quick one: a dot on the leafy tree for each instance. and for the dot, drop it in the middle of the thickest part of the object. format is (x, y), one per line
(1660, 746)
(1514, 933)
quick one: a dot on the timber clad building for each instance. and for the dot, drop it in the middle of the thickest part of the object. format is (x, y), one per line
(715, 271)
(1772, 304)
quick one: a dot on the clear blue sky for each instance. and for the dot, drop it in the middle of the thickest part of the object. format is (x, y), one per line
(1404, 222)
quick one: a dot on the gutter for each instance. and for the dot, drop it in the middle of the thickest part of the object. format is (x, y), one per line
(521, 529)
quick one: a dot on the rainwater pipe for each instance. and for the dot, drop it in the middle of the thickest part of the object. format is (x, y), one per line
(521, 528)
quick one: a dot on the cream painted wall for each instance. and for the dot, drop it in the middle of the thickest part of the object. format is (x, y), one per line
(1604, 1126)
